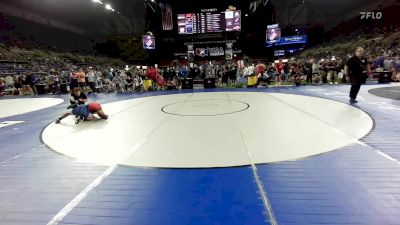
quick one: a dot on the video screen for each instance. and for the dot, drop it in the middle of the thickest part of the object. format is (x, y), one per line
(273, 34)
(149, 42)
(233, 20)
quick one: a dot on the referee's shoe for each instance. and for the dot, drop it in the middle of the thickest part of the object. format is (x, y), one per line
(353, 101)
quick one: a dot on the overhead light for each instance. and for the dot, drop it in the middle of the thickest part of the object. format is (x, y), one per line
(108, 6)
(152, 0)
(98, 1)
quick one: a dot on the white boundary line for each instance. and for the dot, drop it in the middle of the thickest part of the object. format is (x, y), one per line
(365, 91)
(17, 156)
(264, 196)
(9, 123)
(78, 199)
(355, 140)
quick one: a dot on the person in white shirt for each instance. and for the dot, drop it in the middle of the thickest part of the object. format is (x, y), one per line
(119, 82)
(9, 81)
(315, 68)
(91, 77)
(137, 83)
(397, 67)
(123, 75)
(387, 64)
(210, 72)
(2, 86)
(250, 70)
(245, 71)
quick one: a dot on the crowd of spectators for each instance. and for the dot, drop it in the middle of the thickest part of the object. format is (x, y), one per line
(37, 75)
(55, 76)
(380, 40)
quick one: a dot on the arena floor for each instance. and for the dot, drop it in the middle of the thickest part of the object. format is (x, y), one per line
(288, 156)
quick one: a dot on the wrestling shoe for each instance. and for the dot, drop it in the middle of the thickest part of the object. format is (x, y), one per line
(71, 106)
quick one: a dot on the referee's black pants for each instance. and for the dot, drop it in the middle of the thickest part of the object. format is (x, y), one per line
(355, 88)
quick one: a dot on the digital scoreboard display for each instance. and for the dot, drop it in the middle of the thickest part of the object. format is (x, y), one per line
(209, 22)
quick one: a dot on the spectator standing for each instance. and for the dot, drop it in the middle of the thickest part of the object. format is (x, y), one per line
(129, 82)
(196, 72)
(184, 72)
(260, 69)
(137, 83)
(110, 74)
(387, 63)
(232, 74)
(2, 86)
(25, 85)
(279, 68)
(73, 80)
(225, 75)
(209, 72)
(17, 84)
(33, 79)
(81, 79)
(307, 68)
(91, 77)
(315, 68)
(119, 83)
(160, 83)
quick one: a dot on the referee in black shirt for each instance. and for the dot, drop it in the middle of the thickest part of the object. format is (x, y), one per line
(356, 72)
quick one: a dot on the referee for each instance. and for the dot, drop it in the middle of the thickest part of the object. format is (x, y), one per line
(356, 72)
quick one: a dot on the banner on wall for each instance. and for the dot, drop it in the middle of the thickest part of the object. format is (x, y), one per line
(217, 51)
(202, 52)
(296, 39)
(213, 51)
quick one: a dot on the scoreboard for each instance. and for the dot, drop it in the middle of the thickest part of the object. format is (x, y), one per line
(209, 22)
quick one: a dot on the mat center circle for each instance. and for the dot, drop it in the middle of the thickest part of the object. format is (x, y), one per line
(206, 107)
